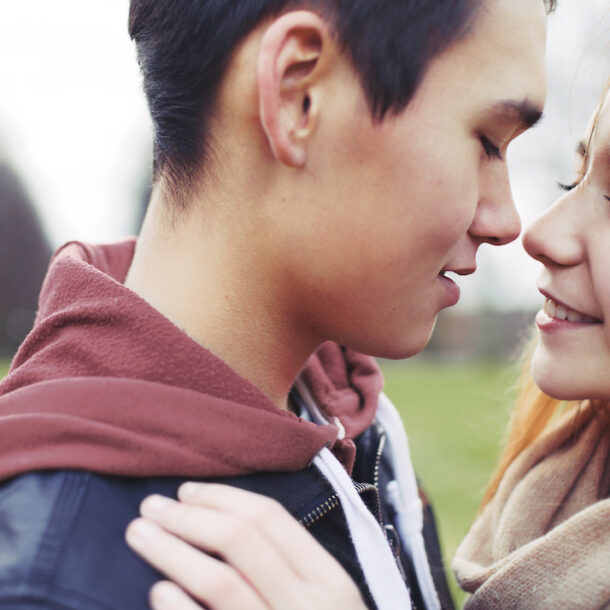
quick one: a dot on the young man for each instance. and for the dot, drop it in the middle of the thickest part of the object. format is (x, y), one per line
(320, 167)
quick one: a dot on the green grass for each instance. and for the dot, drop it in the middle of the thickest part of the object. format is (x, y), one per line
(4, 365)
(455, 416)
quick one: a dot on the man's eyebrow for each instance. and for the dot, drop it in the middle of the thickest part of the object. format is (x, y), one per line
(523, 112)
(581, 148)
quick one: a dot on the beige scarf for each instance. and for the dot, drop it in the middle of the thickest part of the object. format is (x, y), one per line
(543, 542)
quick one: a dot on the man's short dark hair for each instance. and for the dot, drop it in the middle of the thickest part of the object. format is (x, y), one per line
(184, 48)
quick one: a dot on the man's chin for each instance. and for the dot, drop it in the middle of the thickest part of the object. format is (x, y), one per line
(402, 347)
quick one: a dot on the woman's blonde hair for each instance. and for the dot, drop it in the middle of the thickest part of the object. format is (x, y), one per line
(533, 413)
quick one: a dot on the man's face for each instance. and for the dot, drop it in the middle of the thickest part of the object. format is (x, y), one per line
(396, 205)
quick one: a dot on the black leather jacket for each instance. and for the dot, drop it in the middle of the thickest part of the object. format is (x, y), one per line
(62, 532)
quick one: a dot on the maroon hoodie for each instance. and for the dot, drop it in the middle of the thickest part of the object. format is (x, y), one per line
(106, 383)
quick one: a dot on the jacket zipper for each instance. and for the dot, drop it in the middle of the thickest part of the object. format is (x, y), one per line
(330, 504)
(333, 501)
(376, 475)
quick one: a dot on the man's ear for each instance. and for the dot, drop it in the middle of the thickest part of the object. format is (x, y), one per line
(291, 63)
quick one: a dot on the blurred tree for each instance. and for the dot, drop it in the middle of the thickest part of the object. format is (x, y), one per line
(24, 256)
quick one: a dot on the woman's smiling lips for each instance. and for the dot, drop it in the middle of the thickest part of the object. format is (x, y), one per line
(557, 315)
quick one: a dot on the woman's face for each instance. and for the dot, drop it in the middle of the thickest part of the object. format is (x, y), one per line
(572, 241)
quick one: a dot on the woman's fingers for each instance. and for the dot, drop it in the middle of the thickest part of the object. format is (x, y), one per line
(298, 547)
(166, 595)
(276, 561)
(258, 537)
(234, 539)
(213, 582)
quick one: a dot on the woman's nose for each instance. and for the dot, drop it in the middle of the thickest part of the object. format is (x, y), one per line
(553, 238)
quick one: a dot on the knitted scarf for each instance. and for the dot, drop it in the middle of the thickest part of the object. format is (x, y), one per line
(543, 541)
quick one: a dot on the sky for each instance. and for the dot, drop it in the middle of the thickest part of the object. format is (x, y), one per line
(72, 116)
(74, 124)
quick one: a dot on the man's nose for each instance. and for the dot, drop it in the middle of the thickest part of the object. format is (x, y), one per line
(496, 220)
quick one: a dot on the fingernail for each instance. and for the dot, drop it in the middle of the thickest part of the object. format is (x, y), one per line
(163, 595)
(154, 504)
(189, 490)
(141, 529)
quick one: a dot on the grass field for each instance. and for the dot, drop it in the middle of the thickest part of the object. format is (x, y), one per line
(455, 415)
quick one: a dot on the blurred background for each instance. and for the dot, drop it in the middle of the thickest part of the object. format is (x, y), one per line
(75, 156)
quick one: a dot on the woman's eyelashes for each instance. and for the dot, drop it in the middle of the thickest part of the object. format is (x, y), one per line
(567, 187)
(491, 150)
(571, 187)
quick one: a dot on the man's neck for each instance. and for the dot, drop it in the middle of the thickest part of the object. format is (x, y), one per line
(208, 277)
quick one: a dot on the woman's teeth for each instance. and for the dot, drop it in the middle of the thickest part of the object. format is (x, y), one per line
(554, 310)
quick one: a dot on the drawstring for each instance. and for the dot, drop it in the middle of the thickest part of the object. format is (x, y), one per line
(404, 496)
(402, 493)
(378, 564)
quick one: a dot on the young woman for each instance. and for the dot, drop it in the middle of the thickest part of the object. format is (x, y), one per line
(543, 537)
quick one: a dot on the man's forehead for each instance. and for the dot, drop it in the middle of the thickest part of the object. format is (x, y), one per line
(511, 28)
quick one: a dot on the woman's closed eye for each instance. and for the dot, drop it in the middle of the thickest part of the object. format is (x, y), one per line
(567, 187)
(571, 187)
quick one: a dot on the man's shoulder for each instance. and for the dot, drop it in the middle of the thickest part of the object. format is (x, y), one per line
(62, 534)
(62, 540)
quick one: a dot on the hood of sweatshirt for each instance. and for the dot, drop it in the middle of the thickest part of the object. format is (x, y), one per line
(104, 382)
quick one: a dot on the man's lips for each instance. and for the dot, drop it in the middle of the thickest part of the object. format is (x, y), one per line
(452, 290)
(460, 270)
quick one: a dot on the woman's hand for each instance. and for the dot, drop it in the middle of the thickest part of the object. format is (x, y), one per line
(235, 550)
